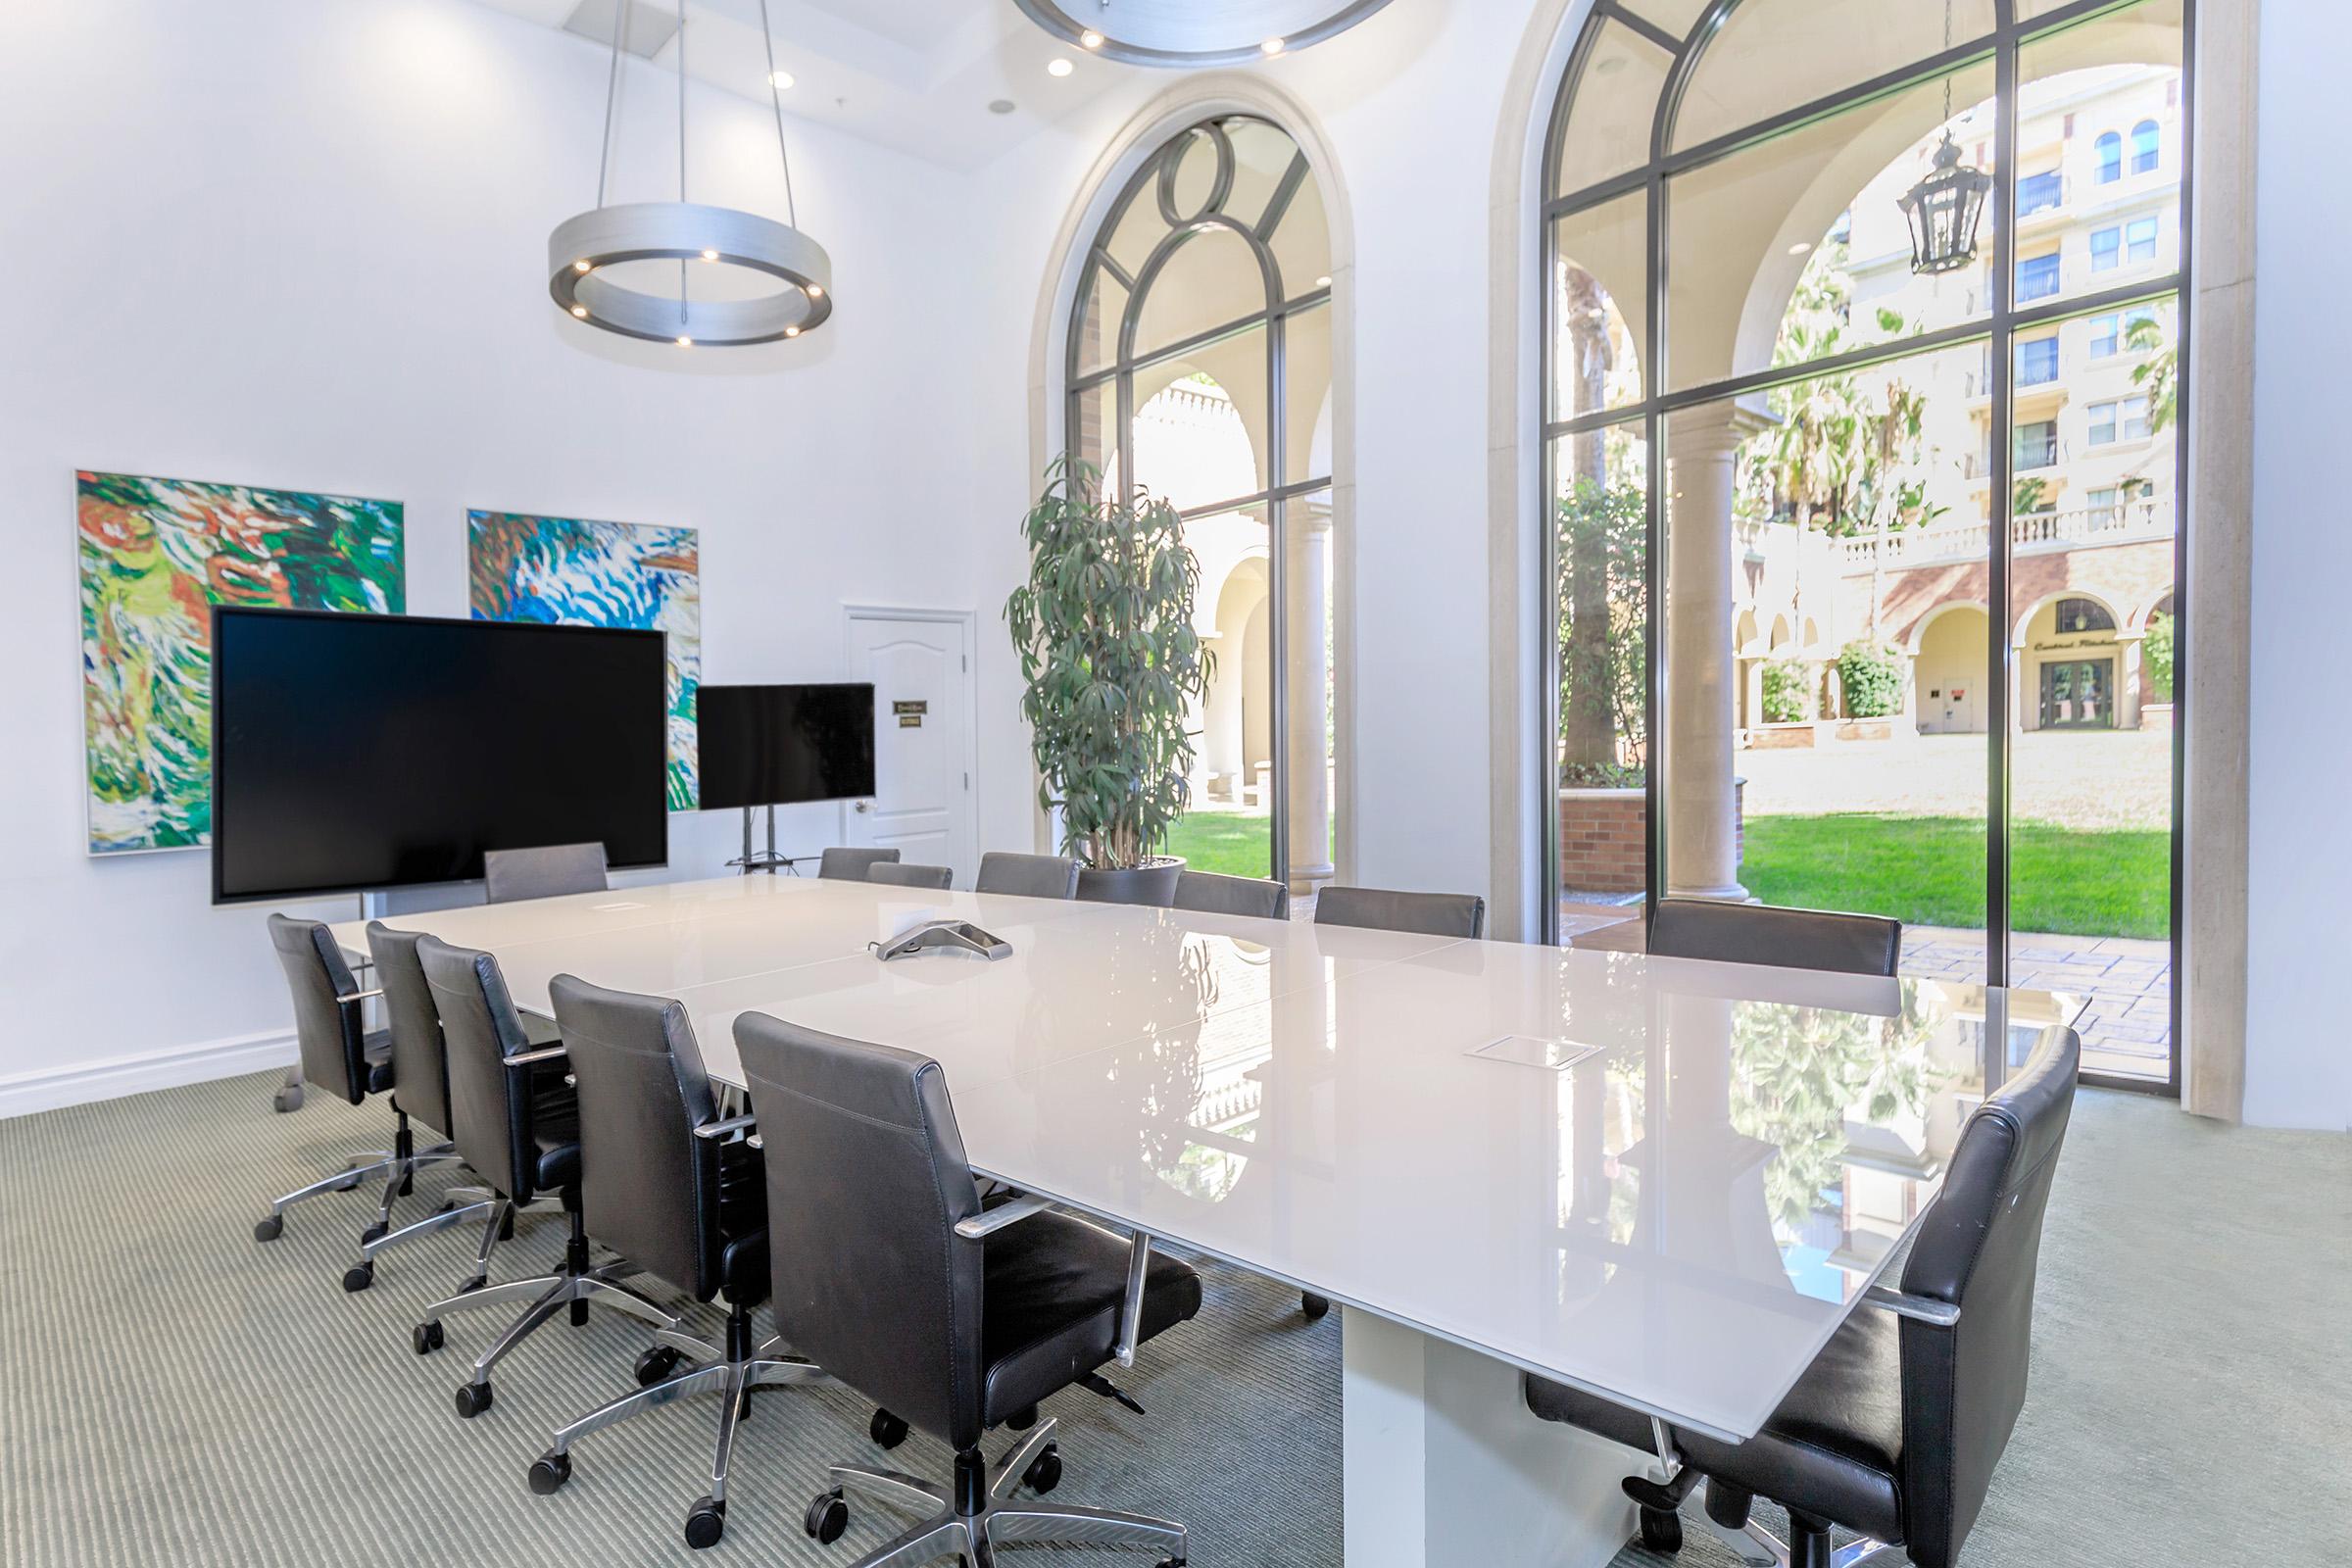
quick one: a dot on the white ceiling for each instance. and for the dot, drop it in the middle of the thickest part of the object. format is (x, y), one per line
(914, 74)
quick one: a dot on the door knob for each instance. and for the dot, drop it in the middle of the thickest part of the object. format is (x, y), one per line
(865, 805)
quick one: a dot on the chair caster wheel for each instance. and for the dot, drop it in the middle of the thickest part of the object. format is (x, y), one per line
(1313, 1306)
(887, 1430)
(473, 1284)
(1661, 1532)
(1022, 1420)
(374, 1233)
(706, 1524)
(287, 1098)
(549, 1472)
(359, 1276)
(655, 1364)
(271, 1229)
(348, 1185)
(1045, 1471)
(473, 1399)
(827, 1517)
(426, 1337)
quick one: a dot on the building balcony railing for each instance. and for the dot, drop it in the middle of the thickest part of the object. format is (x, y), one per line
(2083, 527)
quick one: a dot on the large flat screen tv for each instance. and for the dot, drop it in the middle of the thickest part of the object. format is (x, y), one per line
(353, 752)
(785, 744)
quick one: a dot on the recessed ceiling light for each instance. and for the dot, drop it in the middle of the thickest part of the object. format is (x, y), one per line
(685, 342)
(816, 291)
(579, 266)
(581, 310)
(999, 105)
(1800, 247)
(1272, 46)
(792, 331)
(709, 256)
(1059, 65)
(1324, 281)
(1090, 39)
(781, 80)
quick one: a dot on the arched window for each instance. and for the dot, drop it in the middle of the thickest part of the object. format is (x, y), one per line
(1819, 342)
(1198, 368)
(2143, 147)
(2111, 157)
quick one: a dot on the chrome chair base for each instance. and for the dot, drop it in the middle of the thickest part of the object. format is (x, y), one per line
(398, 1171)
(992, 1521)
(548, 1294)
(1758, 1547)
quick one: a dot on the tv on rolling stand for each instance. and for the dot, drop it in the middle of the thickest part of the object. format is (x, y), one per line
(784, 745)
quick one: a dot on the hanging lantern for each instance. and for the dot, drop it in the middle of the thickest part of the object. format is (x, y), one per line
(1943, 211)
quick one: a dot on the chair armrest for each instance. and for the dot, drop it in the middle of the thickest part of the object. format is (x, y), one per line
(989, 1221)
(756, 1141)
(720, 1130)
(359, 996)
(1918, 1308)
(527, 1059)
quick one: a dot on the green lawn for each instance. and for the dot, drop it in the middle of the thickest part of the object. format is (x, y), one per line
(1225, 841)
(1929, 871)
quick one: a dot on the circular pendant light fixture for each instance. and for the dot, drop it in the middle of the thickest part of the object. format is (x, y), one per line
(778, 281)
(1194, 32)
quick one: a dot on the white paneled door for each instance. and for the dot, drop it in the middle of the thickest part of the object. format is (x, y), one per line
(921, 663)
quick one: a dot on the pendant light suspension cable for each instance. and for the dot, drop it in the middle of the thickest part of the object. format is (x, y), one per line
(775, 98)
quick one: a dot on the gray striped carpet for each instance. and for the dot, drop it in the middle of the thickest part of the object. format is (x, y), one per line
(175, 1394)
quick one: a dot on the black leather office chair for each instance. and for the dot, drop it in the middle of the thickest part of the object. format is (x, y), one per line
(1212, 893)
(1429, 915)
(1029, 876)
(519, 1124)
(421, 1065)
(674, 1187)
(839, 865)
(1894, 1430)
(891, 1276)
(1763, 933)
(346, 1059)
(932, 877)
(546, 872)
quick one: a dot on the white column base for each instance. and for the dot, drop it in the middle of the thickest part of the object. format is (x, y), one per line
(1445, 1469)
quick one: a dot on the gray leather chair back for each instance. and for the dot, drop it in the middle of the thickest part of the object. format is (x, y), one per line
(489, 1102)
(331, 1035)
(1030, 876)
(649, 1187)
(839, 865)
(1977, 1249)
(546, 872)
(867, 1181)
(1762, 933)
(934, 877)
(1430, 915)
(1212, 893)
(420, 1057)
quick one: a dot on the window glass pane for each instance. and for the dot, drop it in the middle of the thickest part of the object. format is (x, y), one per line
(2037, 361)
(2144, 138)
(1600, 488)
(2090, 637)
(1138, 227)
(1301, 242)
(1228, 826)
(1614, 107)
(1211, 280)
(1101, 307)
(1261, 156)
(1094, 434)
(1200, 423)
(1310, 802)
(1307, 395)
(1772, 55)
(1801, 247)
(2083, 93)
(1828, 639)
(1597, 260)
(1675, 16)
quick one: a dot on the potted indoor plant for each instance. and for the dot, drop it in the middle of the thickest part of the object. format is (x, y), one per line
(1103, 628)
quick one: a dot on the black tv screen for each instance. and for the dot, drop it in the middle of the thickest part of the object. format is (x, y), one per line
(353, 752)
(784, 745)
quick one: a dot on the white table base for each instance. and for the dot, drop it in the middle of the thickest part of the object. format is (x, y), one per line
(1445, 1469)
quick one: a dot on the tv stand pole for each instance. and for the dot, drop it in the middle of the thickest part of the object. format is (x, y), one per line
(766, 859)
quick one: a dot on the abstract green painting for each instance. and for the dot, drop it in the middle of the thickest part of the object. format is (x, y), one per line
(568, 572)
(156, 556)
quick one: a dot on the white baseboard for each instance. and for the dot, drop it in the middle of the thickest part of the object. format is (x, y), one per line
(48, 1088)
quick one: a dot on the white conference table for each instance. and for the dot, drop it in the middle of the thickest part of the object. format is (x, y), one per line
(1665, 1181)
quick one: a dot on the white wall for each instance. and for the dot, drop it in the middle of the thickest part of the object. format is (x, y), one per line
(302, 245)
(2299, 1047)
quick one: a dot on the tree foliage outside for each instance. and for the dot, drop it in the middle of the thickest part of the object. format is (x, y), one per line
(2156, 659)
(1788, 691)
(2159, 374)
(1103, 630)
(1603, 606)
(1871, 676)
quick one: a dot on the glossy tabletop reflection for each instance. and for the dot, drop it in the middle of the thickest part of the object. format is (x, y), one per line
(1663, 1180)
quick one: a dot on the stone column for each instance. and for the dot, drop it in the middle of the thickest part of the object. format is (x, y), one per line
(1703, 846)
(1306, 611)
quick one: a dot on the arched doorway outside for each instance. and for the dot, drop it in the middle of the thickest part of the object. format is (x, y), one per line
(1949, 674)
(1198, 367)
